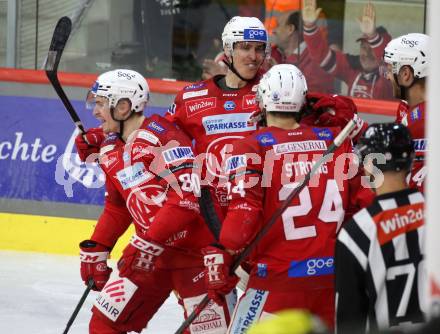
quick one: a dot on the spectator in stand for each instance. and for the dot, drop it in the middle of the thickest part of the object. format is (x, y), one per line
(291, 49)
(363, 81)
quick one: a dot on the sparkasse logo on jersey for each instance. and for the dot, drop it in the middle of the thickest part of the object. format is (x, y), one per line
(132, 175)
(196, 106)
(227, 123)
(249, 101)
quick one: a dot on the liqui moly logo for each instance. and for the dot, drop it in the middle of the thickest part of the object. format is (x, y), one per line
(196, 106)
(249, 101)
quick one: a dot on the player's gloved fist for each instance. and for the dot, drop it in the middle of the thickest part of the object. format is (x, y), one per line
(138, 258)
(89, 143)
(335, 110)
(218, 280)
(93, 258)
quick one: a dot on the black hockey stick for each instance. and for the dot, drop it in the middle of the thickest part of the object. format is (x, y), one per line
(269, 223)
(59, 39)
(80, 304)
(208, 212)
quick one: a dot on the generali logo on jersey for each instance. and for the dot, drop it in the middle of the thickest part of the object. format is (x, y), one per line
(196, 106)
(392, 223)
(249, 101)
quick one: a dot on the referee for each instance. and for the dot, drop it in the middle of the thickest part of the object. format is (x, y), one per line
(379, 262)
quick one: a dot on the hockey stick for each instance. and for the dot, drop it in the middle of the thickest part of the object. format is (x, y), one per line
(208, 212)
(269, 223)
(59, 39)
(78, 307)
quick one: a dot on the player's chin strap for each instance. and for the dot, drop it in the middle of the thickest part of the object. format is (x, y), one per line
(230, 65)
(121, 121)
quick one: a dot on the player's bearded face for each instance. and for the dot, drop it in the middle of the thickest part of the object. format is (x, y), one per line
(390, 76)
(101, 111)
(248, 57)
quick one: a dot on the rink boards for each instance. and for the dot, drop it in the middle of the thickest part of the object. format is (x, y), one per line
(49, 201)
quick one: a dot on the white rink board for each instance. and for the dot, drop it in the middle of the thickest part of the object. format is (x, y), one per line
(38, 293)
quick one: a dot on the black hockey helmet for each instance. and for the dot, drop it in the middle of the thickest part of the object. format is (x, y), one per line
(390, 139)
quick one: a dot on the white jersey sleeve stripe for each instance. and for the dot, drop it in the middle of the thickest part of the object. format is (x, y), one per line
(345, 238)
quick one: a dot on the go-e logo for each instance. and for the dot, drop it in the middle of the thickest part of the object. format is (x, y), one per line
(312, 267)
(255, 34)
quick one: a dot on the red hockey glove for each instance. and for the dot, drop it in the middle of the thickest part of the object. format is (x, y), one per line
(89, 142)
(335, 110)
(217, 278)
(138, 258)
(93, 258)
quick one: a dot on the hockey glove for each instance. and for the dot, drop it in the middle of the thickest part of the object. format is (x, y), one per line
(138, 258)
(335, 110)
(89, 143)
(217, 278)
(93, 258)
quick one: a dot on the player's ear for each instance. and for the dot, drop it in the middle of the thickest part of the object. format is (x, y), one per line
(406, 75)
(124, 108)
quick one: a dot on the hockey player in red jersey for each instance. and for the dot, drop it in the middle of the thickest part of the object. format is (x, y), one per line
(152, 181)
(408, 59)
(292, 265)
(215, 112)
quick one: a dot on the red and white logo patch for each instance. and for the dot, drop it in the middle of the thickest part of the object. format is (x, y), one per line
(114, 297)
(249, 101)
(194, 107)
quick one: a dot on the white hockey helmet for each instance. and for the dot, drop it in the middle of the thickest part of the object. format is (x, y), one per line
(412, 50)
(283, 89)
(244, 29)
(122, 84)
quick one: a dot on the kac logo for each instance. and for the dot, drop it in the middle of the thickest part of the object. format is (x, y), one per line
(229, 105)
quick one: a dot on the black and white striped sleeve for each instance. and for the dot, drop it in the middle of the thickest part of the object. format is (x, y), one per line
(351, 261)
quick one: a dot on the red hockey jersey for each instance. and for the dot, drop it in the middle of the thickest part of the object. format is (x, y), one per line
(264, 168)
(414, 119)
(214, 118)
(153, 180)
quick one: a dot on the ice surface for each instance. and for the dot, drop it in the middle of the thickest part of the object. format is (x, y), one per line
(38, 293)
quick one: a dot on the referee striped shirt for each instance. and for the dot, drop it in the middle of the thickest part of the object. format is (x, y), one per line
(380, 267)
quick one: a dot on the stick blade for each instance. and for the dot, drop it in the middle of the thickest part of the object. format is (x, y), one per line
(59, 39)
